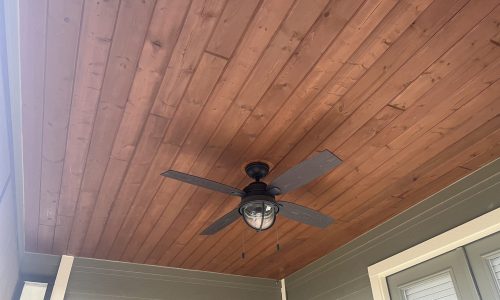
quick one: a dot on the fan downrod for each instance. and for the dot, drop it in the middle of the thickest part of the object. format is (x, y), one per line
(257, 170)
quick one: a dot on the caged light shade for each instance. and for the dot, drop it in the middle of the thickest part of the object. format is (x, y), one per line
(260, 215)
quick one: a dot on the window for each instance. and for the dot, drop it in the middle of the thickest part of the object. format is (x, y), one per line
(438, 286)
(473, 271)
(484, 259)
(445, 277)
(494, 264)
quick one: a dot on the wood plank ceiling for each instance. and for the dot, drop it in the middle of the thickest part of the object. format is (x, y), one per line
(114, 92)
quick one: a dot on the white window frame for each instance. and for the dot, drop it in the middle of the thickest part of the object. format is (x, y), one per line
(462, 235)
(487, 259)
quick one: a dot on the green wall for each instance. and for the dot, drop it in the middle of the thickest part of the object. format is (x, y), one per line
(106, 280)
(343, 274)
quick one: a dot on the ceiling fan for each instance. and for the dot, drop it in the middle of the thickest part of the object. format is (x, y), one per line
(258, 205)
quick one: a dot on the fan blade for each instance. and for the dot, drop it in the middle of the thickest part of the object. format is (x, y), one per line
(208, 184)
(303, 214)
(221, 223)
(305, 172)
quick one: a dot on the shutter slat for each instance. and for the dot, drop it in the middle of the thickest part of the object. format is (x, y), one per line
(432, 290)
(495, 268)
(427, 283)
(495, 261)
(437, 287)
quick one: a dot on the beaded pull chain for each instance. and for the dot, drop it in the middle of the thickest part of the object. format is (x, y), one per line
(243, 245)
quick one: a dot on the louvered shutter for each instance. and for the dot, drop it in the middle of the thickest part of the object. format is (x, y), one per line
(495, 268)
(439, 286)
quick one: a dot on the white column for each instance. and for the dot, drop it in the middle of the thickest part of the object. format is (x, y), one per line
(62, 278)
(283, 289)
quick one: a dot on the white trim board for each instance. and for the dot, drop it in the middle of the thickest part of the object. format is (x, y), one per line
(62, 278)
(462, 235)
(283, 289)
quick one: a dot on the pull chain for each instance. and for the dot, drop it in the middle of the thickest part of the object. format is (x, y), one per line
(243, 245)
(277, 240)
(279, 268)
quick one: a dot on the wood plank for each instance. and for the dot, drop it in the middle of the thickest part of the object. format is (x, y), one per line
(130, 30)
(96, 34)
(146, 148)
(338, 105)
(148, 145)
(45, 235)
(370, 157)
(232, 24)
(336, 187)
(257, 36)
(415, 184)
(215, 108)
(163, 31)
(277, 53)
(246, 54)
(479, 160)
(386, 213)
(430, 142)
(447, 35)
(195, 36)
(63, 29)
(183, 254)
(290, 77)
(138, 171)
(192, 104)
(32, 27)
(370, 129)
(443, 165)
(187, 50)
(425, 111)
(201, 12)
(424, 123)
(454, 155)
(467, 92)
(364, 53)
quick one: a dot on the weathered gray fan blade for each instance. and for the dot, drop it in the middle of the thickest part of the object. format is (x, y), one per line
(208, 184)
(305, 172)
(221, 223)
(303, 214)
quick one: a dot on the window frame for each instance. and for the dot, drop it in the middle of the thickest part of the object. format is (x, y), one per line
(459, 236)
(489, 257)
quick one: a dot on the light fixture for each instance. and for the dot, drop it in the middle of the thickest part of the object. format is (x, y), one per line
(259, 214)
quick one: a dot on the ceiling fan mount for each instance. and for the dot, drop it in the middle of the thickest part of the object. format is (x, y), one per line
(257, 170)
(258, 205)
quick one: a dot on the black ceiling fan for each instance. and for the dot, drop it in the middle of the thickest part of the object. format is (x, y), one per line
(258, 205)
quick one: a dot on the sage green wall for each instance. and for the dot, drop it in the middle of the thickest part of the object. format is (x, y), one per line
(107, 280)
(343, 273)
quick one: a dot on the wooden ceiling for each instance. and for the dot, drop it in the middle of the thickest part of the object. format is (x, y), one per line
(114, 92)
